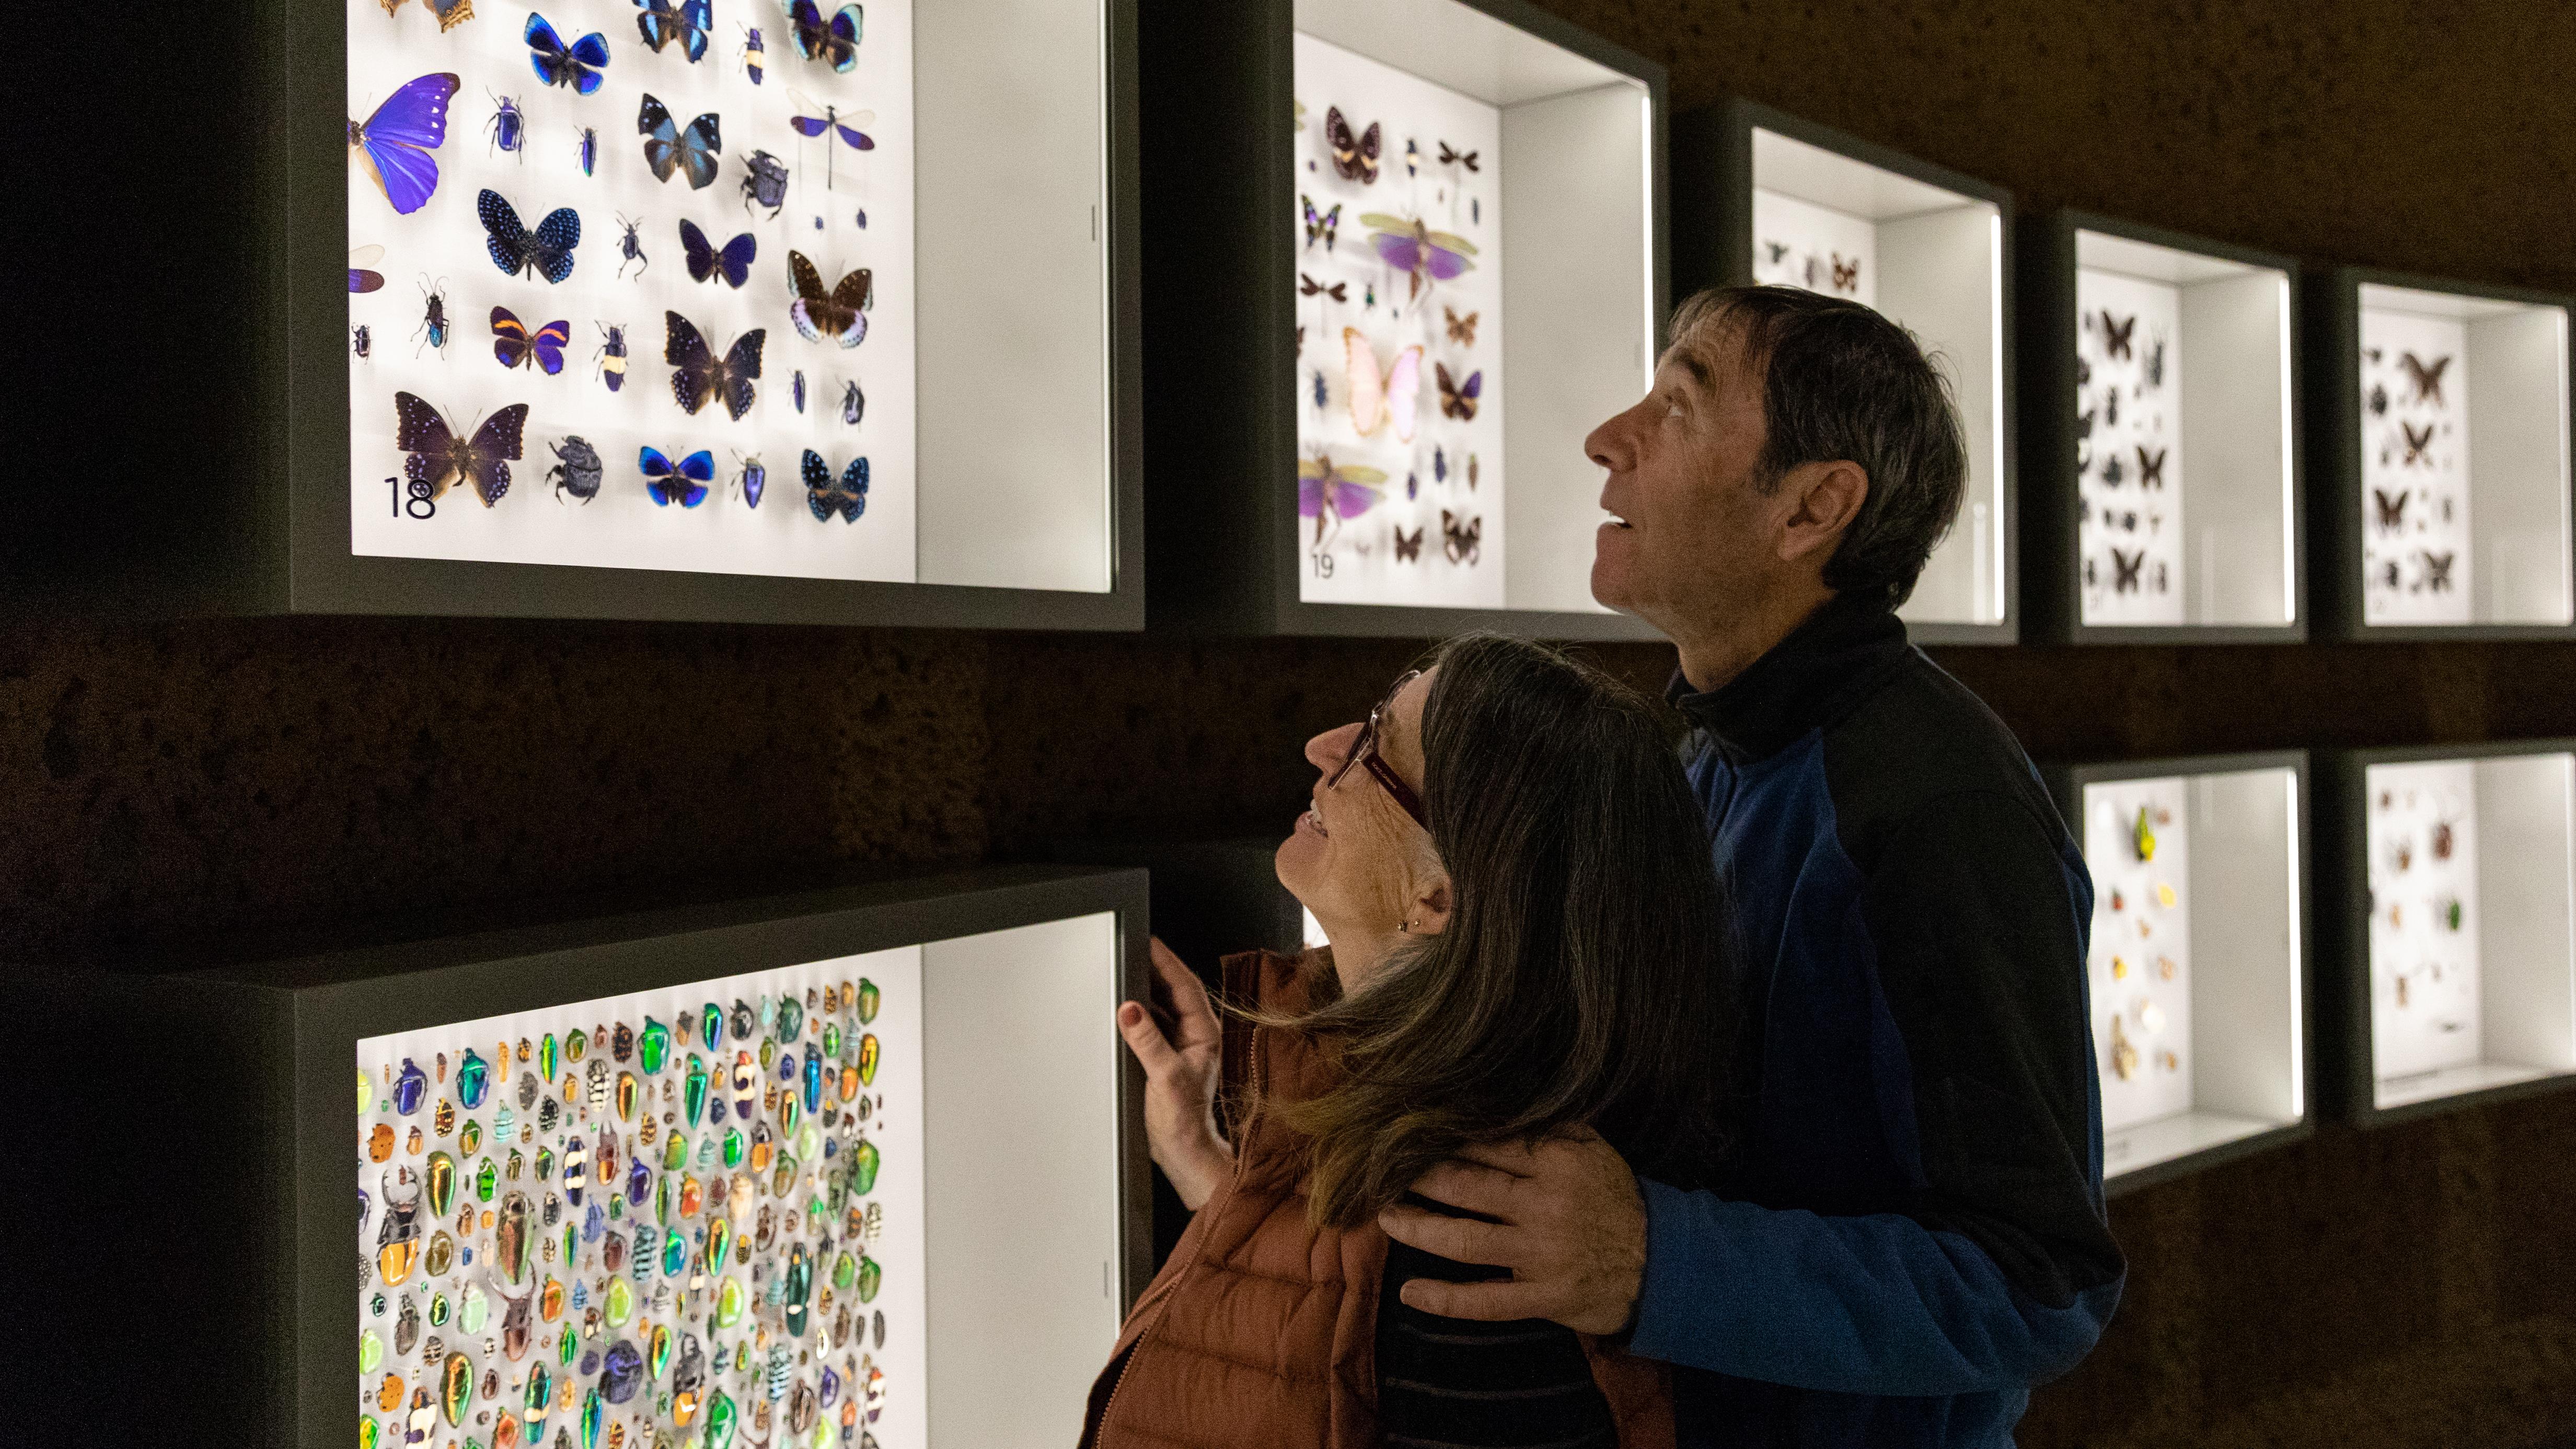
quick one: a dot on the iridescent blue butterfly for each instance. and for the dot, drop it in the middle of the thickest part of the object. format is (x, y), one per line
(684, 483)
(545, 252)
(687, 22)
(835, 42)
(516, 345)
(668, 147)
(706, 261)
(395, 142)
(846, 495)
(577, 65)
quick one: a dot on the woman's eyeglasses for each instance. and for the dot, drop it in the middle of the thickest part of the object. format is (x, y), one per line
(1364, 752)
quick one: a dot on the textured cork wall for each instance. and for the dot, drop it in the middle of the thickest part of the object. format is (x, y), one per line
(171, 784)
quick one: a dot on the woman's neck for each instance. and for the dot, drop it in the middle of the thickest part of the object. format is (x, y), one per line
(1359, 955)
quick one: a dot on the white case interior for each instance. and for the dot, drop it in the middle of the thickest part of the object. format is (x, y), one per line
(1932, 261)
(2472, 876)
(1564, 285)
(2195, 963)
(2464, 460)
(2182, 355)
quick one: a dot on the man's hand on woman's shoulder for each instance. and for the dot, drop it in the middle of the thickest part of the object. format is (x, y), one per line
(1566, 1219)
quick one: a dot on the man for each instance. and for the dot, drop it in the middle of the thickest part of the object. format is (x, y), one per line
(1913, 1235)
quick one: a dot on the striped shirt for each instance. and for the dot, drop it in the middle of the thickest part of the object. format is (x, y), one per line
(1446, 1382)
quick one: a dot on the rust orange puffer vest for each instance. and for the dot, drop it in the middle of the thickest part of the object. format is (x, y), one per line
(1261, 1332)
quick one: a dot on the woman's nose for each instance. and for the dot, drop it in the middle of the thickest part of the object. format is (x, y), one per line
(1327, 750)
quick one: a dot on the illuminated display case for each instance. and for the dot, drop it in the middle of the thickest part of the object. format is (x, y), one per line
(618, 310)
(1403, 257)
(762, 1172)
(1763, 197)
(2197, 974)
(2456, 930)
(2443, 414)
(2160, 400)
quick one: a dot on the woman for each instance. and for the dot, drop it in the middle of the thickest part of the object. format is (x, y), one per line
(1526, 939)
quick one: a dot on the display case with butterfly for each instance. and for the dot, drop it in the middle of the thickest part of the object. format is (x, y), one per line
(2443, 410)
(2453, 931)
(1421, 359)
(849, 1091)
(1764, 198)
(2160, 425)
(2198, 965)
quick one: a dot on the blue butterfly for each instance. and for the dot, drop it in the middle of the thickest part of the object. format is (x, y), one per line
(547, 251)
(846, 496)
(686, 22)
(668, 147)
(732, 261)
(395, 142)
(835, 42)
(576, 65)
(684, 483)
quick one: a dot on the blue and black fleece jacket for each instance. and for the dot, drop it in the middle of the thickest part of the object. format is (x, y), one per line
(1912, 1233)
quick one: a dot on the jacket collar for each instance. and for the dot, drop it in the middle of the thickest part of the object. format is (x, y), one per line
(1807, 681)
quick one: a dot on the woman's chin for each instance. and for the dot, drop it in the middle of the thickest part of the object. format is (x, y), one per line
(1300, 859)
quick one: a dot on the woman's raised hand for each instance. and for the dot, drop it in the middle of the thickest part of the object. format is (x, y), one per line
(1181, 1069)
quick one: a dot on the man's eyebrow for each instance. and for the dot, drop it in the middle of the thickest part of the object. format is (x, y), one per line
(1701, 373)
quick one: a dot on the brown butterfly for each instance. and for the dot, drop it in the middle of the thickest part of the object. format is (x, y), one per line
(1465, 544)
(840, 314)
(2427, 376)
(2418, 445)
(1353, 156)
(1451, 156)
(2115, 335)
(2151, 471)
(1462, 330)
(1408, 549)
(1458, 400)
(2437, 570)
(2392, 511)
(1846, 274)
(2127, 582)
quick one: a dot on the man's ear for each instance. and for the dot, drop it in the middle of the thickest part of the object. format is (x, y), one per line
(1824, 499)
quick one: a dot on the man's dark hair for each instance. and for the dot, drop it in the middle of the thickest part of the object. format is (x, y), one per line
(1840, 382)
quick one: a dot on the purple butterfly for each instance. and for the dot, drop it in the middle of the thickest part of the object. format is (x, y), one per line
(684, 483)
(1405, 244)
(516, 345)
(1328, 494)
(706, 261)
(396, 141)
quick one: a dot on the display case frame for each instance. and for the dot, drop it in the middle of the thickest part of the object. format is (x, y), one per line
(2349, 1036)
(2339, 517)
(1220, 312)
(1714, 175)
(268, 526)
(2293, 1066)
(266, 1078)
(2052, 580)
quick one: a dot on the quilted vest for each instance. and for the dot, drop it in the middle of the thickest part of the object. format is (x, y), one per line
(1261, 1331)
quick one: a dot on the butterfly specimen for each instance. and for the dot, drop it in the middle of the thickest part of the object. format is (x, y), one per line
(753, 479)
(508, 126)
(1309, 287)
(361, 279)
(2392, 511)
(441, 457)
(765, 182)
(684, 483)
(835, 42)
(612, 355)
(1463, 542)
(2151, 470)
(395, 141)
(2418, 445)
(731, 262)
(830, 122)
(1462, 330)
(1355, 157)
(846, 495)
(686, 22)
(1846, 274)
(1778, 251)
(450, 13)
(854, 403)
(755, 55)
(433, 315)
(1321, 225)
(516, 346)
(839, 314)
(668, 147)
(1377, 397)
(577, 468)
(545, 252)
(577, 65)
(1408, 550)
(2115, 335)
(2127, 583)
(1458, 400)
(630, 246)
(1405, 244)
(697, 374)
(1452, 156)
(2427, 376)
(1328, 494)
(2437, 570)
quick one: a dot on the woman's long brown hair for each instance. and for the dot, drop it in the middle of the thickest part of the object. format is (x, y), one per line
(1587, 975)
